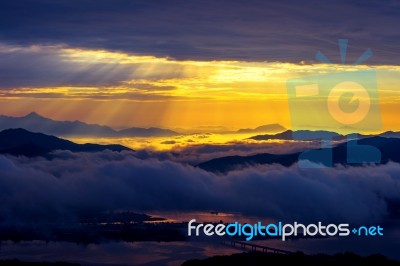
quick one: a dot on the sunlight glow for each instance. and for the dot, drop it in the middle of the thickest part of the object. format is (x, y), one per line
(141, 90)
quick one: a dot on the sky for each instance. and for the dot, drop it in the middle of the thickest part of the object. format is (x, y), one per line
(185, 64)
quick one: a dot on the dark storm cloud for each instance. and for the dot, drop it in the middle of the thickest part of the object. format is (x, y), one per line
(35, 191)
(286, 30)
(38, 65)
(45, 66)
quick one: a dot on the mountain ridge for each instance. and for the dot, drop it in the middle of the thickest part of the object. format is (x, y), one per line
(35, 123)
(271, 128)
(318, 135)
(388, 148)
(23, 142)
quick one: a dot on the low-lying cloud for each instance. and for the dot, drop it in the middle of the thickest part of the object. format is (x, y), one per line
(38, 191)
(197, 152)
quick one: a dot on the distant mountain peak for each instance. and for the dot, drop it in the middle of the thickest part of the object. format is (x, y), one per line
(270, 128)
(300, 135)
(33, 114)
(34, 122)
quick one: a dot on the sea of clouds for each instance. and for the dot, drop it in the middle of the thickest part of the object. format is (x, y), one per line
(45, 191)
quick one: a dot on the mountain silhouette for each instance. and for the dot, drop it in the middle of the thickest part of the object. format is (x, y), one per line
(22, 142)
(317, 135)
(388, 148)
(271, 128)
(35, 122)
(390, 134)
(300, 135)
(230, 163)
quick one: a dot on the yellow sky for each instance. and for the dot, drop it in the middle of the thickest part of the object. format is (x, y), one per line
(182, 94)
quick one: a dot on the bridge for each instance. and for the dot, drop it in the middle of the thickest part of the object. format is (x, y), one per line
(253, 247)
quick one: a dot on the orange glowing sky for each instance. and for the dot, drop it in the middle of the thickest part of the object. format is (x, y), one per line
(164, 92)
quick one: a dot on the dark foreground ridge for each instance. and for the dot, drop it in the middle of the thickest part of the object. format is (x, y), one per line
(387, 147)
(23, 142)
(95, 228)
(16, 262)
(298, 259)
